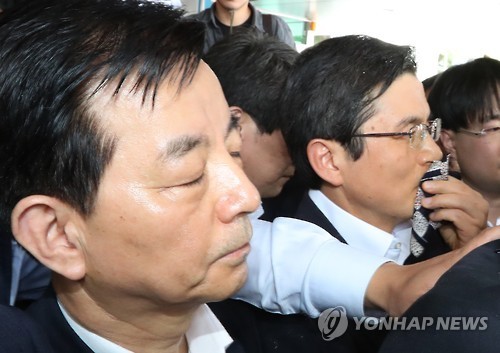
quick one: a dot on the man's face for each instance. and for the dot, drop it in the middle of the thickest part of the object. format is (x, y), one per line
(265, 158)
(170, 221)
(479, 158)
(233, 4)
(381, 186)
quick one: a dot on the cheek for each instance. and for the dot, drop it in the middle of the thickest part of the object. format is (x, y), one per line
(142, 255)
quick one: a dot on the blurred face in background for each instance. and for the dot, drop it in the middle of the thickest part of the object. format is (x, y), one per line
(477, 156)
(265, 157)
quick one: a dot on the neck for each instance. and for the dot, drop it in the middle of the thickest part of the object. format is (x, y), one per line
(139, 326)
(232, 16)
(494, 210)
(492, 195)
(369, 215)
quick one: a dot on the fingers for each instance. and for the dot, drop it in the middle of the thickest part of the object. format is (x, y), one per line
(454, 201)
(485, 236)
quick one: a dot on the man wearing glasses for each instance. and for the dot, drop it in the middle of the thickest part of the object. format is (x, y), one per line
(361, 189)
(467, 98)
(356, 121)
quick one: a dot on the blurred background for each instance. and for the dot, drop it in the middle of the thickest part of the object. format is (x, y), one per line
(443, 32)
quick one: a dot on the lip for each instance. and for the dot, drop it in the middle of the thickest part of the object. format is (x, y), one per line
(238, 254)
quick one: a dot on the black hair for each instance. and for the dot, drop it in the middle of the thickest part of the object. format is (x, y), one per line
(54, 55)
(330, 93)
(251, 67)
(467, 94)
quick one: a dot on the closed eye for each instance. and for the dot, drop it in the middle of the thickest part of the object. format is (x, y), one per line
(194, 182)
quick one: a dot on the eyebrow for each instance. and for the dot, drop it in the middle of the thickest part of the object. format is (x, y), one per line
(180, 146)
(412, 120)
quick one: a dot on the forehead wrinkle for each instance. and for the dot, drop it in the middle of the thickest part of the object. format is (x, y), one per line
(180, 146)
(411, 120)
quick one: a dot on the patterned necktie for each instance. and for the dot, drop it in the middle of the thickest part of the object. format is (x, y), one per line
(422, 227)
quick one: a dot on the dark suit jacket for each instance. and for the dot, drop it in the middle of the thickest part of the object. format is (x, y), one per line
(259, 331)
(5, 264)
(62, 337)
(20, 333)
(469, 290)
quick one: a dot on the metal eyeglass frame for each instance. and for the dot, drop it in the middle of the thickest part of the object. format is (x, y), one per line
(433, 129)
(483, 132)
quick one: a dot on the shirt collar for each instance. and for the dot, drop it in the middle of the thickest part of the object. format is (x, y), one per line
(357, 233)
(206, 334)
(257, 213)
(492, 225)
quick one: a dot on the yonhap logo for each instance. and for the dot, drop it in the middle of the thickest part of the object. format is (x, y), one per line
(332, 323)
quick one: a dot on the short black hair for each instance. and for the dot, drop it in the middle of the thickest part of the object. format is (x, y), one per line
(330, 92)
(251, 67)
(467, 94)
(54, 55)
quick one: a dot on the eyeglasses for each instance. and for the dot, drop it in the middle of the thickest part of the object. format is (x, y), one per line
(484, 132)
(417, 133)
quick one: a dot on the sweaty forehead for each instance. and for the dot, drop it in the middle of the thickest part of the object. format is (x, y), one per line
(403, 100)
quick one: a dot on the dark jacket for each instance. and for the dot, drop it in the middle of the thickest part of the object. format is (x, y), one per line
(47, 314)
(20, 333)
(267, 23)
(469, 291)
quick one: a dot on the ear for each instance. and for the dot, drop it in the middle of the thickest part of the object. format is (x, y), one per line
(48, 229)
(325, 159)
(447, 139)
(236, 111)
(247, 124)
(243, 118)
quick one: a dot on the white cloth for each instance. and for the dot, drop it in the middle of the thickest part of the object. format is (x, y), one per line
(296, 266)
(206, 334)
(497, 223)
(364, 236)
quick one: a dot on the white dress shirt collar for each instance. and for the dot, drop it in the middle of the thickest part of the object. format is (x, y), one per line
(257, 213)
(364, 236)
(206, 334)
(492, 225)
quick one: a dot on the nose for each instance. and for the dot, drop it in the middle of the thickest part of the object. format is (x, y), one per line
(238, 195)
(430, 151)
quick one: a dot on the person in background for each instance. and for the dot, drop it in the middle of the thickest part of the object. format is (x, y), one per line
(226, 16)
(121, 173)
(251, 67)
(466, 98)
(429, 82)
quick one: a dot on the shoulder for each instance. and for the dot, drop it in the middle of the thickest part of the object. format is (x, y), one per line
(462, 310)
(20, 333)
(204, 15)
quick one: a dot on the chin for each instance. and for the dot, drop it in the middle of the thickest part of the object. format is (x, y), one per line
(230, 283)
